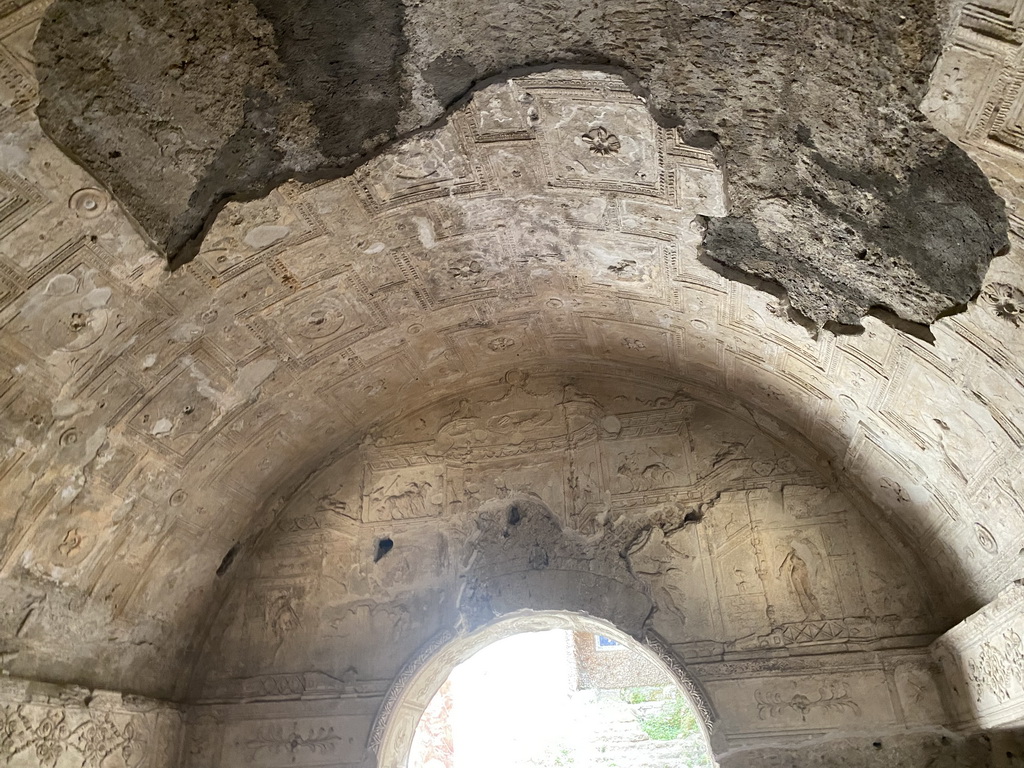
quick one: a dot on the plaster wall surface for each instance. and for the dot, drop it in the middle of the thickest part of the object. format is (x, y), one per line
(512, 307)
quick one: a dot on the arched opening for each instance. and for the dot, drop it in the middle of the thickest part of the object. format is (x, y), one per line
(645, 683)
(558, 697)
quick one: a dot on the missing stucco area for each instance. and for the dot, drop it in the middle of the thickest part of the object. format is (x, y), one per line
(839, 190)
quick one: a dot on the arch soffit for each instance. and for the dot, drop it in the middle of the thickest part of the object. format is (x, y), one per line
(856, 398)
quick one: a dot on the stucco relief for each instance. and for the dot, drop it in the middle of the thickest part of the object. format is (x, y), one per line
(165, 419)
(218, 380)
(734, 546)
(53, 727)
(983, 660)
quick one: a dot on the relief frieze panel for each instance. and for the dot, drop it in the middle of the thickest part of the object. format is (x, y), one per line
(983, 661)
(740, 544)
(53, 727)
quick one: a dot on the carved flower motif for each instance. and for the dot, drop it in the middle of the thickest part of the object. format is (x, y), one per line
(133, 744)
(49, 737)
(501, 343)
(12, 731)
(602, 142)
(1007, 300)
(97, 738)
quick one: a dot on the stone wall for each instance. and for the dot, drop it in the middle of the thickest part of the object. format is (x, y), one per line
(932, 748)
(662, 516)
(55, 726)
(610, 666)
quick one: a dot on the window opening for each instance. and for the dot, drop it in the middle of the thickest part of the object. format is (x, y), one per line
(559, 698)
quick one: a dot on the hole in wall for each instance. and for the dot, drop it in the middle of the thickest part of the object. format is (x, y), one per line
(384, 546)
(693, 516)
(514, 516)
(229, 558)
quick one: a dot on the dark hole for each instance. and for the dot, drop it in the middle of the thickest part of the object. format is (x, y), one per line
(229, 558)
(383, 547)
(513, 515)
(114, 155)
(876, 744)
(693, 516)
(1010, 755)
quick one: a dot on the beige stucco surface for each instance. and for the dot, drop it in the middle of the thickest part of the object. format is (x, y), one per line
(502, 351)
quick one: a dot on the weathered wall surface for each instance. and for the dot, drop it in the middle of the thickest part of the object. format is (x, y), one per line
(55, 726)
(797, 615)
(152, 423)
(839, 190)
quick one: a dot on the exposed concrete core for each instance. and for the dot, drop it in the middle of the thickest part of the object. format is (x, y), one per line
(839, 190)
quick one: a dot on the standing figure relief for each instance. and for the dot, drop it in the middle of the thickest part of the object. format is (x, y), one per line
(798, 574)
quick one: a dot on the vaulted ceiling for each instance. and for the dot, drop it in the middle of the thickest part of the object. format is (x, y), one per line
(154, 422)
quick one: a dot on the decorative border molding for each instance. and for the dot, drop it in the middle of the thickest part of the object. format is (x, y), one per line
(698, 698)
(398, 687)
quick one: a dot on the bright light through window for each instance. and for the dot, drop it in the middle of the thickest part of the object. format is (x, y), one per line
(558, 699)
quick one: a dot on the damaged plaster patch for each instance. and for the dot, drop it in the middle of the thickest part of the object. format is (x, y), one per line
(840, 191)
(162, 427)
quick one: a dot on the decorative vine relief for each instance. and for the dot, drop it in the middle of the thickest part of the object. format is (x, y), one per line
(49, 737)
(275, 740)
(999, 668)
(829, 699)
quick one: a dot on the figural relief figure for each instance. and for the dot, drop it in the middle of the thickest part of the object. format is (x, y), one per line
(403, 500)
(642, 477)
(798, 574)
(282, 616)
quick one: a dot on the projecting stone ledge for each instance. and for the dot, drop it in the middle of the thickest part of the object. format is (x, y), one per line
(839, 190)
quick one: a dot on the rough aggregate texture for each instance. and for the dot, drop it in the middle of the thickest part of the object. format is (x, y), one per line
(839, 189)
